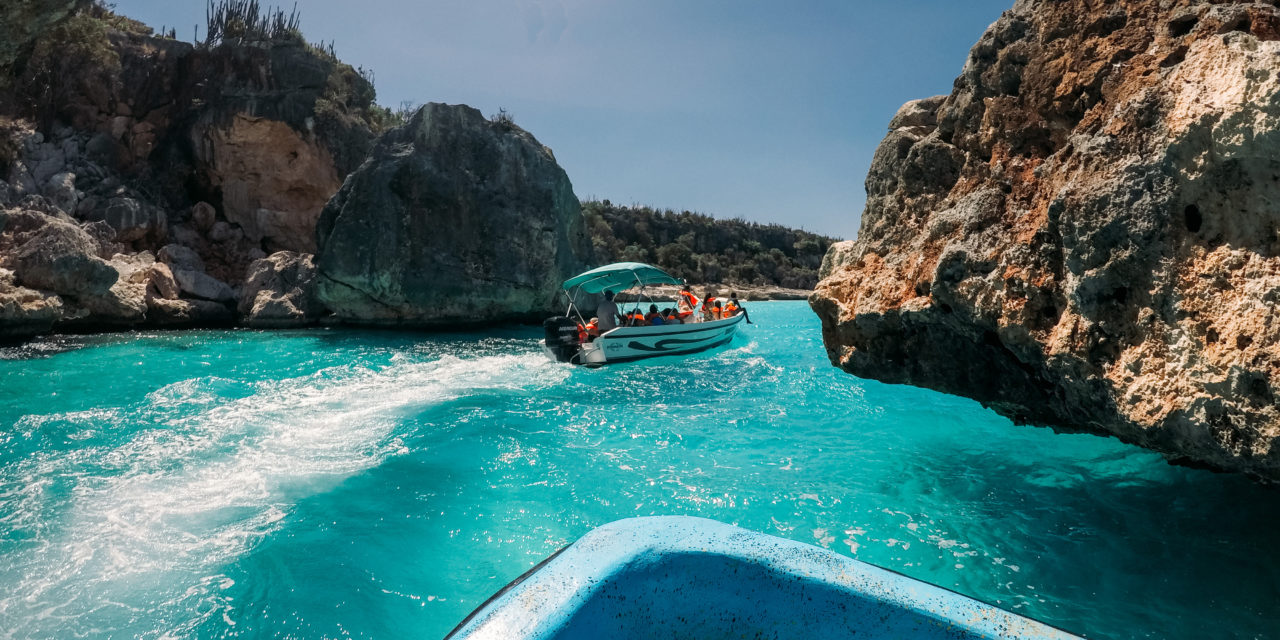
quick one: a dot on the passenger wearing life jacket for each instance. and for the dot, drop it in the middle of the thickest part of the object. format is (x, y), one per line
(636, 319)
(672, 317)
(730, 309)
(653, 317)
(592, 330)
(708, 308)
(717, 311)
(684, 311)
(687, 298)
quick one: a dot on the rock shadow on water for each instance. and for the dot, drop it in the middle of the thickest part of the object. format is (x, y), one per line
(1092, 535)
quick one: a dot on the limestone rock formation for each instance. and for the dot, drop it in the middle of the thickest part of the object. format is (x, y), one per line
(454, 218)
(1085, 233)
(280, 291)
(117, 145)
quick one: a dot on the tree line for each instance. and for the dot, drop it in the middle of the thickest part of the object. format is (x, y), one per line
(706, 250)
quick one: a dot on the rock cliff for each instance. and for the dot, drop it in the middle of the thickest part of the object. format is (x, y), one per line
(453, 218)
(206, 158)
(1085, 233)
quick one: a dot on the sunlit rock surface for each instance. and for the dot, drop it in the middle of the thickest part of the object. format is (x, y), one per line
(1086, 232)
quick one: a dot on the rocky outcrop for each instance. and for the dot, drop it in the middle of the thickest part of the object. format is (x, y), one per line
(22, 21)
(1084, 233)
(454, 218)
(281, 291)
(206, 157)
(273, 180)
(57, 273)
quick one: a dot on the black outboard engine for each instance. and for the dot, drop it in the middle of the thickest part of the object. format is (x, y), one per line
(562, 337)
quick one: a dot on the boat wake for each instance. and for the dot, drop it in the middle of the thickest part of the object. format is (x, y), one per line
(133, 510)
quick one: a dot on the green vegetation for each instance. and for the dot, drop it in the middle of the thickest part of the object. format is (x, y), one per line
(704, 250)
(503, 119)
(74, 58)
(246, 21)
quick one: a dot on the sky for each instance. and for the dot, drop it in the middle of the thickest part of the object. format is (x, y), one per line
(766, 110)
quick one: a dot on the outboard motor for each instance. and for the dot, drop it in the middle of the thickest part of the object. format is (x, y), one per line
(561, 335)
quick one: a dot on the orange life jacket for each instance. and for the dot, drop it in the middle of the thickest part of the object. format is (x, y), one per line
(582, 333)
(689, 299)
(730, 310)
(637, 319)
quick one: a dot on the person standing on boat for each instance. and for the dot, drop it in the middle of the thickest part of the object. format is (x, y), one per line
(607, 313)
(687, 298)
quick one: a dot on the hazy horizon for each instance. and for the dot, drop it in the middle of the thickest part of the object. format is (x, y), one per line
(764, 111)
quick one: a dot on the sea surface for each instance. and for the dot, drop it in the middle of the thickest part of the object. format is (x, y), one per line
(340, 483)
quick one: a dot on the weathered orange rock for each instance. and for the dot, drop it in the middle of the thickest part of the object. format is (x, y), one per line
(1085, 233)
(274, 180)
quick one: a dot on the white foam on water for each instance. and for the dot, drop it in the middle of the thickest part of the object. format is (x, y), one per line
(148, 523)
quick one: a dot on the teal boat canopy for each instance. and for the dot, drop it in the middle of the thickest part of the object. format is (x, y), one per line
(619, 276)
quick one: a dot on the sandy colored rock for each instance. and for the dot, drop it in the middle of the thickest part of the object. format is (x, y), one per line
(25, 312)
(1086, 236)
(274, 181)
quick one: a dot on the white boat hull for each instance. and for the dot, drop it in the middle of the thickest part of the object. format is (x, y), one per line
(625, 344)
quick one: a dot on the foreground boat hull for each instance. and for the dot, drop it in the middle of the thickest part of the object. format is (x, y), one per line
(627, 344)
(683, 577)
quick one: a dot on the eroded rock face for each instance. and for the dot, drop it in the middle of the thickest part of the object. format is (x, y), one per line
(1085, 233)
(274, 180)
(453, 219)
(280, 291)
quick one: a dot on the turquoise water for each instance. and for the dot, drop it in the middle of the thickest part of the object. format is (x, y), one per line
(337, 483)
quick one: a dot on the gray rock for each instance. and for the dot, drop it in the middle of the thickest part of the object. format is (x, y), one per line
(180, 257)
(202, 285)
(20, 181)
(57, 256)
(26, 312)
(133, 220)
(224, 232)
(918, 113)
(104, 235)
(61, 190)
(203, 216)
(188, 313)
(280, 291)
(453, 219)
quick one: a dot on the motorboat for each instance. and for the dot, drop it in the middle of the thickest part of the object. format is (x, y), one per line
(685, 577)
(563, 339)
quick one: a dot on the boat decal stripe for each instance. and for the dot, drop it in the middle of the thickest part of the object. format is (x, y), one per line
(662, 345)
(705, 326)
